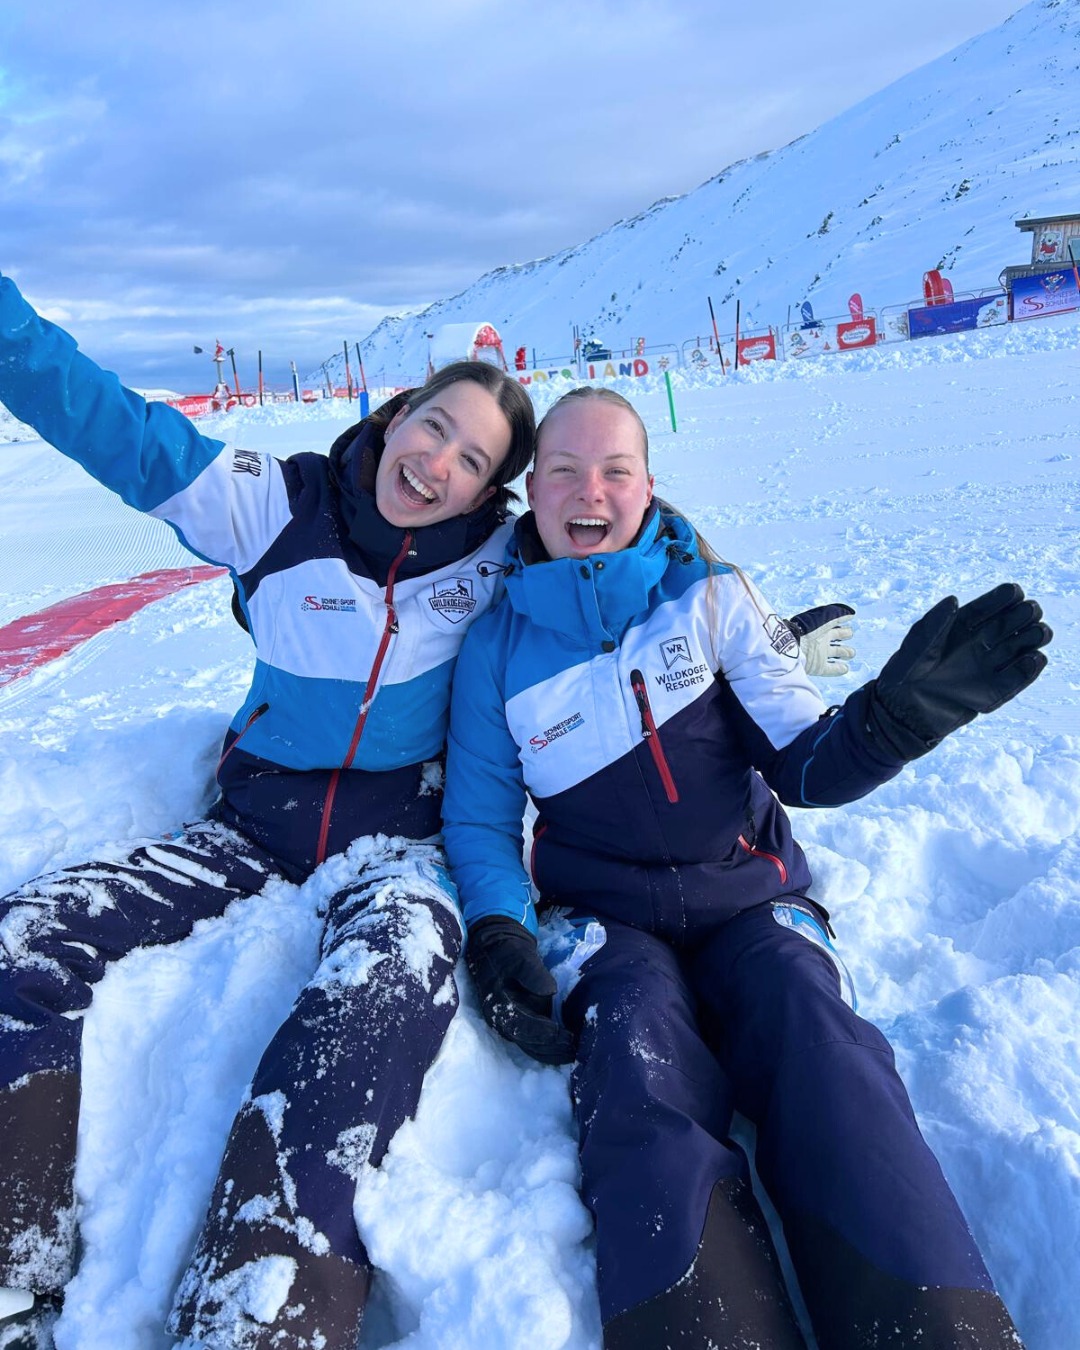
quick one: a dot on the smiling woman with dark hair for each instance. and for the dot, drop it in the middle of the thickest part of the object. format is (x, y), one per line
(358, 575)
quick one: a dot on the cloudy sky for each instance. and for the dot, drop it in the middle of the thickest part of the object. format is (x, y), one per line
(281, 175)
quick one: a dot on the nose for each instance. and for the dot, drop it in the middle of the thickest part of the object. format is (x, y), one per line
(592, 485)
(439, 460)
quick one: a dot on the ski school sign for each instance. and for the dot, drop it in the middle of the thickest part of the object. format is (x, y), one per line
(1051, 292)
(597, 370)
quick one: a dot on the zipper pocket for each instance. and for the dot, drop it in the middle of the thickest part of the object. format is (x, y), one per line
(650, 734)
(778, 863)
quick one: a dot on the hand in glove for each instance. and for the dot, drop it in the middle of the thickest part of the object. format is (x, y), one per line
(955, 662)
(516, 989)
(822, 633)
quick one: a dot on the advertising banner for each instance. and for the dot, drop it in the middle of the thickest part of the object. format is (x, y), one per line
(831, 335)
(857, 333)
(760, 348)
(1046, 293)
(960, 316)
(634, 368)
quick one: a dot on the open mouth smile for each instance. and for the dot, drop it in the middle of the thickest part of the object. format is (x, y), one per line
(413, 490)
(588, 532)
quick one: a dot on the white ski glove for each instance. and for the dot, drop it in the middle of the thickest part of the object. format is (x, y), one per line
(822, 634)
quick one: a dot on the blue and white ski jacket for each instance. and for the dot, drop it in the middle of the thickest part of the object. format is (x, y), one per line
(356, 623)
(654, 708)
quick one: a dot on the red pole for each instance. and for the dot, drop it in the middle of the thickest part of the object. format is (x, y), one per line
(738, 304)
(360, 363)
(348, 372)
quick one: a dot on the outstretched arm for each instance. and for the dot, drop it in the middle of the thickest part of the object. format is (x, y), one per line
(956, 662)
(225, 507)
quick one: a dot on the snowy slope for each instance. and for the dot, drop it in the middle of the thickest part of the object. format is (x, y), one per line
(887, 478)
(930, 172)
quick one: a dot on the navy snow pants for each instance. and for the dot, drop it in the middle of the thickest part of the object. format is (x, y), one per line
(749, 1018)
(278, 1261)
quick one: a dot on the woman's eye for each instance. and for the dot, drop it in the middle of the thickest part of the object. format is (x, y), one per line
(474, 464)
(433, 424)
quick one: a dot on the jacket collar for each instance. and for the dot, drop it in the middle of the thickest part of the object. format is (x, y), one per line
(592, 600)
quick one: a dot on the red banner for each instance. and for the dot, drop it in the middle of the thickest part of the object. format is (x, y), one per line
(762, 348)
(858, 333)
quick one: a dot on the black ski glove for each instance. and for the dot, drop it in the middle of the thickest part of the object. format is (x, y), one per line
(955, 662)
(516, 989)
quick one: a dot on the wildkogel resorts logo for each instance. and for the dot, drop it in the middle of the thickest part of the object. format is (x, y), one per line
(453, 600)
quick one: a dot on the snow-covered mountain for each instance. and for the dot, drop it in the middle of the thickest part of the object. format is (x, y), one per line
(933, 171)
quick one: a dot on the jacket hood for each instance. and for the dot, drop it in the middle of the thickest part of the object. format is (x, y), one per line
(592, 600)
(354, 459)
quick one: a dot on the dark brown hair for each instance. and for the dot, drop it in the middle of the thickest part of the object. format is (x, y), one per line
(514, 403)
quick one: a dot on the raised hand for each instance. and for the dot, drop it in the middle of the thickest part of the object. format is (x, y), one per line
(957, 661)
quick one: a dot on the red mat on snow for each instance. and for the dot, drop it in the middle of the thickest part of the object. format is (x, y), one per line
(35, 639)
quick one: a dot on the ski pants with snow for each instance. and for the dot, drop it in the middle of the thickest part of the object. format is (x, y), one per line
(278, 1261)
(749, 1018)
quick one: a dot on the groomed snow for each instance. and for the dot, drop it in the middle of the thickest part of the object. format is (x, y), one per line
(887, 479)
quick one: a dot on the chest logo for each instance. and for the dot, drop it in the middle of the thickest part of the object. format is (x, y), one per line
(676, 652)
(334, 604)
(568, 724)
(453, 600)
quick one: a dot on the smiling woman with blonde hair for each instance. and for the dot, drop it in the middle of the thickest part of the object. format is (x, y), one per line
(657, 713)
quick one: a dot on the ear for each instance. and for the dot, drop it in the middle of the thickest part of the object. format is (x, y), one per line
(529, 490)
(397, 419)
(648, 499)
(479, 499)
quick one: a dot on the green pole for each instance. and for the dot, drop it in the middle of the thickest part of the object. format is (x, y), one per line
(670, 399)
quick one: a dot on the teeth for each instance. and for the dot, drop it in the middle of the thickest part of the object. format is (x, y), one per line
(416, 484)
(588, 520)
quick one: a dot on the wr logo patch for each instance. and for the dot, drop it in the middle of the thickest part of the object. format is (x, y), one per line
(676, 652)
(453, 599)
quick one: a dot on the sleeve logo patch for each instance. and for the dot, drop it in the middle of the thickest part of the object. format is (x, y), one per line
(247, 461)
(453, 599)
(781, 639)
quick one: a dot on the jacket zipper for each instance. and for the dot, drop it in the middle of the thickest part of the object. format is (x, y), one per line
(252, 719)
(390, 628)
(778, 863)
(650, 734)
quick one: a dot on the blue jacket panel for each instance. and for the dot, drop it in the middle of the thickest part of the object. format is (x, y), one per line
(356, 623)
(655, 709)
